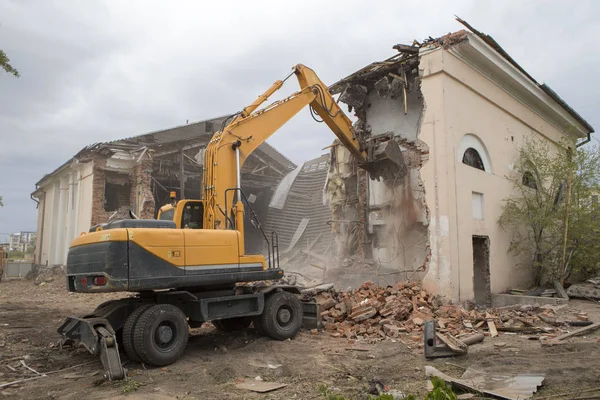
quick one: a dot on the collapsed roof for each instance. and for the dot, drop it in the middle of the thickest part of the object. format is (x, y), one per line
(171, 140)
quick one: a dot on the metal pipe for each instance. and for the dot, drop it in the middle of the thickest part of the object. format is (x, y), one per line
(589, 139)
(238, 172)
(41, 233)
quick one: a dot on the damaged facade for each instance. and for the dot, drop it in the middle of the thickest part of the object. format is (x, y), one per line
(460, 108)
(104, 181)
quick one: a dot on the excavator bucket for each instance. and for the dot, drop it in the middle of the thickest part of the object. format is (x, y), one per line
(385, 161)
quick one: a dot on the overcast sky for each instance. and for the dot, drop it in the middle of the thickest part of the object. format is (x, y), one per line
(95, 71)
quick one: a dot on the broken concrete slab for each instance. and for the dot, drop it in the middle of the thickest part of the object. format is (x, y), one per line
(503, 387)
(560, 290)
(503, 300)
(383, 87)
(354, 95)
(584, 290)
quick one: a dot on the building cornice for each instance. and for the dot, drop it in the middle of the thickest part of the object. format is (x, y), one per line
(480, 56)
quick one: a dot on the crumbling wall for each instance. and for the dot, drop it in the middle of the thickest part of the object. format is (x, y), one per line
(138, 199)
(141, 196)
(98, 213)
(381, 227)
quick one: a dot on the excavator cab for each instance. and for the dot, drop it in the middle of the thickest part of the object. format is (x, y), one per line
(187, 214)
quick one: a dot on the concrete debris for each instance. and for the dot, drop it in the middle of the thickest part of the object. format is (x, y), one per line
(42, 274)
(383, 87)
(586, 290)
(354, 95)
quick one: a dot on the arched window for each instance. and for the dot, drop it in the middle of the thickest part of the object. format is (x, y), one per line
(471, 151)
(529, 180)
(472, 158)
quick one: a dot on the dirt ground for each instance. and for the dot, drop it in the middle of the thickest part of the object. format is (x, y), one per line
(214, 362)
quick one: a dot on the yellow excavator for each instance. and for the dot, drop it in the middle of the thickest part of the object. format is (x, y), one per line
(189, 266)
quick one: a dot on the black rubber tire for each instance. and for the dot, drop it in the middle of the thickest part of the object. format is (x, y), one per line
(282, 316)
(128, 329)
(146, 341)
(232, 324)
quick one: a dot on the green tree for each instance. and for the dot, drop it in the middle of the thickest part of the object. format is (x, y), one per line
(16, 254)
(535, 212)
(5, 65)
(1, 204)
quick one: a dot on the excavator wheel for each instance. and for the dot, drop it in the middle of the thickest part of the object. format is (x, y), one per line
(282, 316)
(160, 335)
(232, 324)
(128, 329)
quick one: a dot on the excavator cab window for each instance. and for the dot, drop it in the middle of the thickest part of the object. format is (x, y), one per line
(167, 215)
(192, 216)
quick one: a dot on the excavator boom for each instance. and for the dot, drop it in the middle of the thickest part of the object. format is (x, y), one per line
(230, 147)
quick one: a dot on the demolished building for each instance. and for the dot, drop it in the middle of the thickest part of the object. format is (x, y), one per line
(460, 107)
(103, 181)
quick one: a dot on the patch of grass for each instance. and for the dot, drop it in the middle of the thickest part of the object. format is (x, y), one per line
(441, 391)
(326, 393)
(130, 385)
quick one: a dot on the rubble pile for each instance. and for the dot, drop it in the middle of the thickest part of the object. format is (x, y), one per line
(375, 313)
(42, 274)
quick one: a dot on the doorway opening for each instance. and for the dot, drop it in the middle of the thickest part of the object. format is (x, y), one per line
(481, 270)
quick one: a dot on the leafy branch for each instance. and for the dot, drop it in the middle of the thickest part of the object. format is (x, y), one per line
(6, 66)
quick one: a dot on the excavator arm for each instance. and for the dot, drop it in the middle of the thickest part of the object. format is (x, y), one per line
(230, 147)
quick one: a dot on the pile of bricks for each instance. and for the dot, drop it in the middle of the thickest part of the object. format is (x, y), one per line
(375, 313)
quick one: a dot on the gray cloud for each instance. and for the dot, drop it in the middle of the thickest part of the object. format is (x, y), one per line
(102, 70)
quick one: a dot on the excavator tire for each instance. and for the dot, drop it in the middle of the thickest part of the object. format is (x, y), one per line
(160, 334)
(282, 316)
(232, 324)
(128, 329)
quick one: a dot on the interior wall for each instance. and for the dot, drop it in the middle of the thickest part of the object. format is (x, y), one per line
(388, 218)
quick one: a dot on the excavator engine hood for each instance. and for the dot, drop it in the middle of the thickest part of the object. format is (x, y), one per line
(385, 160)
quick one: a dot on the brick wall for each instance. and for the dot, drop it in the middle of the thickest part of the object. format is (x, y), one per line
(141, 199)
(98, 213)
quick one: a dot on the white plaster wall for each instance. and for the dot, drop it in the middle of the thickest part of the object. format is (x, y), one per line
(461, 101)
(68, 212)
(387, 114)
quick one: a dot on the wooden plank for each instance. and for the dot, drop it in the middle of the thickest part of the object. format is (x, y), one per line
(455, 344)
(492, 327)
(579, 331)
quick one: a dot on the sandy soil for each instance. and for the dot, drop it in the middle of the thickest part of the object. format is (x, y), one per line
(214, 362)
